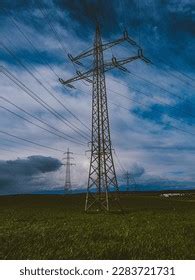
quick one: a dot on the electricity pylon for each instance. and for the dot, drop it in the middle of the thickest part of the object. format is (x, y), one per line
(68, 164)
(130, 180)
(102, 176)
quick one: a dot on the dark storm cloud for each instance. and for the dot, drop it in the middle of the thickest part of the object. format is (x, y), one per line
(88, 12)
(16, 173)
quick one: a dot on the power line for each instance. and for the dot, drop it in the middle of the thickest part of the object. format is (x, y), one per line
(34, 96)
(29, 141)
(149, 96)
(29, 150)
(2, 149)
(185, 75)
(170, 64)
(45, 129)
(141, 103)
(170, 73)
(48, 64)
(119, 162)
(45, 16)
(172, 107)
(28, 91)
(40, 120)
(166, 64)
(52, 27)
(14, 21)
(151, 83)
(68, 123)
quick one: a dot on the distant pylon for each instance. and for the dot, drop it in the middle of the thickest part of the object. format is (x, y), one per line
(102, 186)
(68, 164)
(130, 180)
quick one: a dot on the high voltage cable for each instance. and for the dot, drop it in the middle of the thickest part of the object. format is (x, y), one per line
(51, 27)
(48, 64)
(55, 34)
(119, 162)
(14, 21)
(171, 66)
(29, 141)
(2, 149)
(29, 150)
(185, 75)
(151, 96)
(25, 89)
(29, 92)
(151, 83)
(144, 105)
(169, 73)
(35, 96)
(45, 16)
(139, 91)
(17, 142)
(35, 117)
(139, 11)
(172, 107)
(21, 117)
(13, 141)
(141, 103)
(68, 123)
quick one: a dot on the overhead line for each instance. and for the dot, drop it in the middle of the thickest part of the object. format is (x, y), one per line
(45, 129)
(48, 64)
(28, 91)
(7, 150)
(172, 107)
(141, 103)
(29, 150)
(151, 83)
(29, 141)
(35, 117)
(172, 74)
(149, 96)
(119, 162)
(32, 45)
(51, 26)
(61, 117)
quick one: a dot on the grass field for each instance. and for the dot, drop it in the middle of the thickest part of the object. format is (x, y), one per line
(56, 227)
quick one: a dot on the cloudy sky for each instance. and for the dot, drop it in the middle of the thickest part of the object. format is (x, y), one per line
(151, 107)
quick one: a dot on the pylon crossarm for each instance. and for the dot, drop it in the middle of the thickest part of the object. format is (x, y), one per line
(104, 46)
(80, 76)
(107, 66)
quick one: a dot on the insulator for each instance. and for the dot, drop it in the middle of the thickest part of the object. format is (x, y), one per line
(125, 34)
(70, 56)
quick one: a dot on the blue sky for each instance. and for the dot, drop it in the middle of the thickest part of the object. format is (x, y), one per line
(151, 108)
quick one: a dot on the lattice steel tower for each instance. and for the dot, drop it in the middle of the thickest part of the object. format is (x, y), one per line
(102, 181)
(68, 158)
(130, 180)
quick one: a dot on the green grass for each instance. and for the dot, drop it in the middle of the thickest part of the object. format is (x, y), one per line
(56, 227)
